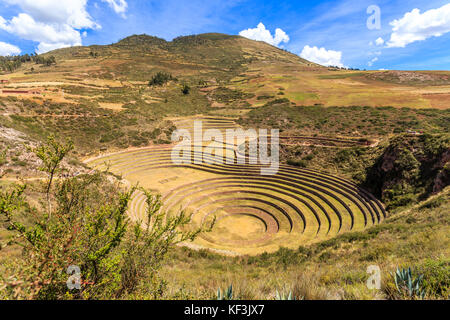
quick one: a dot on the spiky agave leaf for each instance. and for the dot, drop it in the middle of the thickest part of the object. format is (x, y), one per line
(230, 292)
(404, 281)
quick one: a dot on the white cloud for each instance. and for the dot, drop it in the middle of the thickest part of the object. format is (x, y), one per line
(322, 56)
(260, 33)
(53, 23)
(371, 62)
(379, 41)
(416, 26)
(7, 49)
(27, 28)
(71, 12)
(119, 6)
(48, 35)
(46, 47)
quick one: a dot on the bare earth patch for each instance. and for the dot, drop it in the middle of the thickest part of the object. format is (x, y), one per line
(111, 106)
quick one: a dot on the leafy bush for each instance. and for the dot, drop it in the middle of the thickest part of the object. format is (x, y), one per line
(185, 89)
(264, 97)
(436, 277)
(160, 78)
(11, 63)
(83, 227)
(297, 163)
(228, 96)
(44, 60)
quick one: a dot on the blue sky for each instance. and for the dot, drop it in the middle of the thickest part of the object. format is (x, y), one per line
(411, 34)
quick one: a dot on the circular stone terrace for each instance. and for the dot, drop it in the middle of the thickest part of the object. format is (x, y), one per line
(253, 213)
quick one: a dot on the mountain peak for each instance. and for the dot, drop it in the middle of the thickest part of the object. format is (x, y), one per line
(141, 39)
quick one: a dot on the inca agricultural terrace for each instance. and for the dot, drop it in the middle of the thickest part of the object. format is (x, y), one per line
(253, 213)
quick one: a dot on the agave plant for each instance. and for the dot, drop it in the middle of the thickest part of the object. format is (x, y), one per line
(225, 295)
(284, 296)
(405, 283)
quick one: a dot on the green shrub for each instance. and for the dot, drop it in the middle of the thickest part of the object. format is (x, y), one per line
(264, 97)
(297, 163)
(436, 277)
(185, 89)
(160, 78)
(83, 224)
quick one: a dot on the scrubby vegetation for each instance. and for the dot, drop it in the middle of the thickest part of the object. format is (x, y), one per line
(185, 89)
(47, 61)
(160, 78)
(90, 128)
(12, 63)
(229, 96)
(353, 121)
(400, 171)
(410, 169)
(80, 243)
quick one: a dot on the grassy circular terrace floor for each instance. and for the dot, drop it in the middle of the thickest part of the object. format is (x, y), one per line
(239, 228)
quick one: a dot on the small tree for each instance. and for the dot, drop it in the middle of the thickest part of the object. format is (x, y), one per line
(89, 233)
(185, 89)
(160, 78)
(50, 60)
(149, 243)
(51, 155)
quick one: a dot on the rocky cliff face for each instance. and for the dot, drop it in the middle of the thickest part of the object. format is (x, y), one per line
(18, 160)
(410, 168)
(443, 177)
